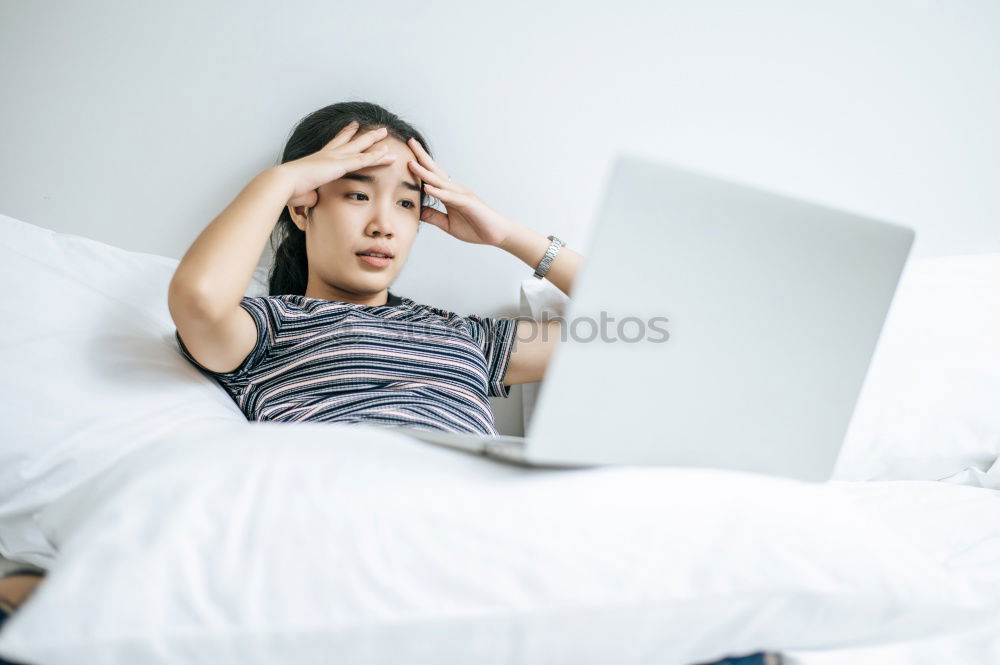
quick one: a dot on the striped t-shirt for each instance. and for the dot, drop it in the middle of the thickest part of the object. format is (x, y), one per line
(395, 364)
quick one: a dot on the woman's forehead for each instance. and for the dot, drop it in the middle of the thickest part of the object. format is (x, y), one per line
(384, 176)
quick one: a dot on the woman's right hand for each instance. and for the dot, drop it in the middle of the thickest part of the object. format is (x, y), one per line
(341, 155)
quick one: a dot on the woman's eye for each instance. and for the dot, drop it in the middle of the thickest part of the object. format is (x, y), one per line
(412, 204)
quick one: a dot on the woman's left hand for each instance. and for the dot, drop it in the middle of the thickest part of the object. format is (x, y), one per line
(468, 218)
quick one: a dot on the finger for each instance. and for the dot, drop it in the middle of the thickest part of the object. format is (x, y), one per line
(343, 136)
(435, 217)
(308, 199)
(362, 160)
(429, 176)
(367, 139)
(445, 195)
(383, 152)
(424, 158)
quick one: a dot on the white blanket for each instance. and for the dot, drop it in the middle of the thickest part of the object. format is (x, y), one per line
(287, 543)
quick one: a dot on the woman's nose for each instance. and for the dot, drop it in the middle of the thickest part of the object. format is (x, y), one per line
(381, 225)
(380, 229)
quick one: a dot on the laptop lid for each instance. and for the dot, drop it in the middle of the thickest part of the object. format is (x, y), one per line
(714, 324)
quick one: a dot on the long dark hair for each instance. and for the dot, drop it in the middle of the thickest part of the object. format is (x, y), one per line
(290, 270)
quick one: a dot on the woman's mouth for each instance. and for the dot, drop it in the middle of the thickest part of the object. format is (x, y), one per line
(374, 260)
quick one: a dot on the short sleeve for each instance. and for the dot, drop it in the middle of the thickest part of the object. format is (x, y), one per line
(259, 310)
(495, 337)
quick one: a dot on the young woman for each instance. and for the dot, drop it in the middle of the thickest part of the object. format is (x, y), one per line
(331, 343)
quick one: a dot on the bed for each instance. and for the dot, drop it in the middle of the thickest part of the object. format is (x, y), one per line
(174, 531)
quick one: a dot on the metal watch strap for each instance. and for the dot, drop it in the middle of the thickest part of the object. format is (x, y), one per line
(555, 245)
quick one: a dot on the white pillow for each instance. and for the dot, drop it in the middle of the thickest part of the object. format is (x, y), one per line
(286, 543)
(91, 370)
(930, 405)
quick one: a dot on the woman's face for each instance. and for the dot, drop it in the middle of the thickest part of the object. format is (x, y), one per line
(373, 206)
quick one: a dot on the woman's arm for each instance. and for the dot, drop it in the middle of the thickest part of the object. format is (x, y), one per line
(210, 280)
(536, 340)
(216, 270)
(530, 246)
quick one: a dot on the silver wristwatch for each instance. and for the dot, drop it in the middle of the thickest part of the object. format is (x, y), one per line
(550, 254)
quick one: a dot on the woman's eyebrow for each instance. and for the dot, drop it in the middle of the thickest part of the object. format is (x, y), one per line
(371, 179)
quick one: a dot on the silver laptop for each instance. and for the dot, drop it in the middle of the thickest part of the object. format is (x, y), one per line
(714, 325)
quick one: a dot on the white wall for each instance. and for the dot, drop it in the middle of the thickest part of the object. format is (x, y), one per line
(136, 123)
